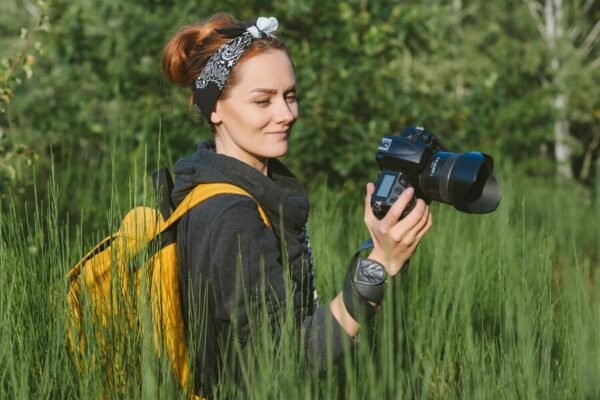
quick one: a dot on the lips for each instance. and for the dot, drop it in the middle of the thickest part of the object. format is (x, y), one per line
(278, 133)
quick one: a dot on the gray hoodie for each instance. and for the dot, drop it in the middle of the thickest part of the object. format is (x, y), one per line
(230, 260)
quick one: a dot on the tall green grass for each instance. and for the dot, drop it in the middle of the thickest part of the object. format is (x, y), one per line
(504, 305)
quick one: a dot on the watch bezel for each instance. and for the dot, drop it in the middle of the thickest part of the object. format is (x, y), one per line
(369, 272)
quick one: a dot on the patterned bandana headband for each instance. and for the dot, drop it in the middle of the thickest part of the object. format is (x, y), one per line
(212, 80)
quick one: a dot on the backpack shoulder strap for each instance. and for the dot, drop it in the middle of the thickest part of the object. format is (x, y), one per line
(163, 186)
(202, 192)
(75, 271)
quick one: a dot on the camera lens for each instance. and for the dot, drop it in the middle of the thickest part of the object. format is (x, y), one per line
(457, 179)
(417, 158)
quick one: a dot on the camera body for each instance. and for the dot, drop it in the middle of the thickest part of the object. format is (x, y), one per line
(416, 158)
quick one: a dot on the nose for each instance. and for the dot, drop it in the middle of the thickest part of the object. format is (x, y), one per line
(286, 113)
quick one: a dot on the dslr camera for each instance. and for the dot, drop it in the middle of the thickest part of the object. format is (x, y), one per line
(417, 158)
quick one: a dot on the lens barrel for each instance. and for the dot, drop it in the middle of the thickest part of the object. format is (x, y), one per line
(460, 180)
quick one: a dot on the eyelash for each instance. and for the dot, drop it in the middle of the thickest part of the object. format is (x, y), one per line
(290, 98)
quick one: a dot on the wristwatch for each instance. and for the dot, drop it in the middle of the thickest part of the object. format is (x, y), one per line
(369, 278)
(364, 287)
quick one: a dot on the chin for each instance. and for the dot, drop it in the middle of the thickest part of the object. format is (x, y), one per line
(277, 154)
(277, 151)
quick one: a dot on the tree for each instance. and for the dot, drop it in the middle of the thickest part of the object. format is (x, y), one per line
(571, 37)
(16, 65)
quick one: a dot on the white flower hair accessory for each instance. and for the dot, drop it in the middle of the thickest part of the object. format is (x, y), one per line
(263, 24)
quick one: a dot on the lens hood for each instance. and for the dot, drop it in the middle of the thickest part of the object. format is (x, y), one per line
(472, 186)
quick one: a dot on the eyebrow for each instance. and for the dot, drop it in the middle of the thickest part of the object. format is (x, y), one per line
(273, 91)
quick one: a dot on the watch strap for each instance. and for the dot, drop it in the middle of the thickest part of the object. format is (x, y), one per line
(363, 287)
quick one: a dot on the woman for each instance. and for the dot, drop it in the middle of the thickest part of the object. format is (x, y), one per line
(242, 81)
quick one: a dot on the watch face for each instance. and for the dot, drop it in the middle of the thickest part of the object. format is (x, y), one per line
(369, 272)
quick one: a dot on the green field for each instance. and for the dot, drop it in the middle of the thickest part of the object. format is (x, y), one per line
(505, 305)
(497, 306)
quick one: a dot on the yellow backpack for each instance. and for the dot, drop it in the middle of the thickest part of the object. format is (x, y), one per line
(134, 266)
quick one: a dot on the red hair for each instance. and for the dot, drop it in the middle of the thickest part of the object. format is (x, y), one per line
(188, 51)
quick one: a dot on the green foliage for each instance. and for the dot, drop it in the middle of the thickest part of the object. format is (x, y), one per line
(17, 64)
(477, 74)
(504, 305)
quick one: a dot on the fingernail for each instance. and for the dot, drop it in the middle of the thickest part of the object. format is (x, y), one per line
(409, 191)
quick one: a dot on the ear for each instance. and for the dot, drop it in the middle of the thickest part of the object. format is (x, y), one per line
(215, 118)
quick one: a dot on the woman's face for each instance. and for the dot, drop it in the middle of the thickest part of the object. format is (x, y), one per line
(254, 122)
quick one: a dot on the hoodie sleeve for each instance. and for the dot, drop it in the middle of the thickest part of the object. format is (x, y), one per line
(245, 263)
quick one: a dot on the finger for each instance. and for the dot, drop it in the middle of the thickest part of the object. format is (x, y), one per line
(405, 230)
(415, 215)
(413, 238)
(426, 228)
(398, 207)
(423, 221)
(369, 216)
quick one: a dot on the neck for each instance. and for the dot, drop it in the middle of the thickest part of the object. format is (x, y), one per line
(228, 148)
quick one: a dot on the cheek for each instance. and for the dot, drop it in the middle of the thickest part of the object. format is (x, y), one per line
(295, 110)
(250, 118)
(257, 117)
(261, 118)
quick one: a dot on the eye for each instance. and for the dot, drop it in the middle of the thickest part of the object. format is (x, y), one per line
(263, 103)
(291, 98)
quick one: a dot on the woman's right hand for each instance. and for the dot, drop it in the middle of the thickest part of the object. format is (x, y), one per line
(394, 239)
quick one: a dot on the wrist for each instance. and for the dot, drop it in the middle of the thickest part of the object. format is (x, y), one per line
(364, 287)
(392, 266)
(341, 314)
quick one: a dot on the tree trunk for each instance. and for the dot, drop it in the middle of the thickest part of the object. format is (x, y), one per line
(553, 16)
(586, 167)
(562, 147)
(459, 82)
(550, 18)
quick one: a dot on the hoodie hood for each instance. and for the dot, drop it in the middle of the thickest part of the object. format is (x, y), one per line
(279, 193)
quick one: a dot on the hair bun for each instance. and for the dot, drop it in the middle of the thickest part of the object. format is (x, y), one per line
(189, 49)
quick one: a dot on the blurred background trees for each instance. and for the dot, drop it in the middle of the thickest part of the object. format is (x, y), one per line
(519, 79)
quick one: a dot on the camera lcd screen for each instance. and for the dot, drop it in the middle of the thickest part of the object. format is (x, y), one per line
(385, 186)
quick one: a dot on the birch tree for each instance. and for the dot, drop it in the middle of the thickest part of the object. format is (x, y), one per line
(568, 35)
